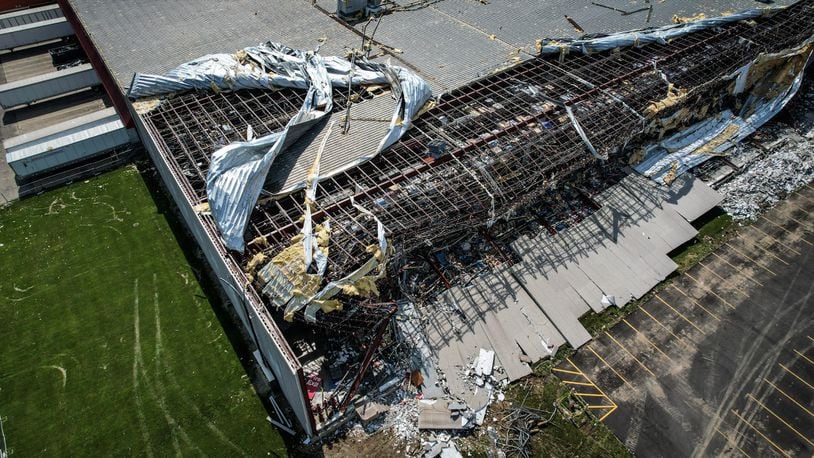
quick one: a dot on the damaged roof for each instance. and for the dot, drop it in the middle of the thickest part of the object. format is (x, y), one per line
(496, 143)
(469, 38)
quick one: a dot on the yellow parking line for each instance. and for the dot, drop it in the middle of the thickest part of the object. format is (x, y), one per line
(679, 314)
(600, 406)
(603, 417)
(645, 338)
(631, 354)
(737, 269)
(783, 452)
(722, 279)
(796, 376)
(769, 252)
(731, 442)
(753, 260)
(775, 224)
(613, 407)
(810, 338)
(695, 302)
(781, 227)
(711, 291)
(678, 339)
(797, 206)
(609, 366)
(577, 383)
(802, 224)
(805, 357)
(775, 239)
(595, 395)
(557, 369)
(780, 418)
(777, 388)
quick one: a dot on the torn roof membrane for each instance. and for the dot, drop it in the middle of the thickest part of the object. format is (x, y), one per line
(495, 145)
(639, 38)
(765, 85)
(238, 170)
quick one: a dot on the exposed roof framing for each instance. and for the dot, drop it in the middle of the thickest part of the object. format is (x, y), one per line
(485, 149)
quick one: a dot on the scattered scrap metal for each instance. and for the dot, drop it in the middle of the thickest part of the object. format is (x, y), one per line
(238, 170)
(451, 193)
(777, 161)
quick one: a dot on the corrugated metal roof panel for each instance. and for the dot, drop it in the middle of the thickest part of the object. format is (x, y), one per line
(58, 129)
(455, 55)
(65, 142)
(370, 121)
(75, 145)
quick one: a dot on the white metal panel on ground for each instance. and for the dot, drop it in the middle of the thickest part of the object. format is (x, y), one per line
(66, 142)
(558, 304)
(494, 313)
(692, 205)
(534, 306)
(37, 32)
(29, 16)
(29, 90)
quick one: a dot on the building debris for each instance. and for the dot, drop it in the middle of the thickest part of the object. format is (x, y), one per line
(238, 170)
(769, 179)
(777, 161)
(485, 362)
(440, 445)
(765, 85)
(471, 229)
(623, 12)
(519, 423)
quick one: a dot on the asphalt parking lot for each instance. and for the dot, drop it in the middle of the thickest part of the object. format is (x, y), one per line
(720, 361)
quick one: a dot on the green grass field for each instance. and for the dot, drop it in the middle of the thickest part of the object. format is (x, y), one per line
(108, 344)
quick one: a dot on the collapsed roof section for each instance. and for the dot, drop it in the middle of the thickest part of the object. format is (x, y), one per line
(239, 169)
(484, 150)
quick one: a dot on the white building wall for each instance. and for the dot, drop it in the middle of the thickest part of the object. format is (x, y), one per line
(256, 319)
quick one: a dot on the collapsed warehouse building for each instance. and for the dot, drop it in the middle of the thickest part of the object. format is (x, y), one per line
(346, 234)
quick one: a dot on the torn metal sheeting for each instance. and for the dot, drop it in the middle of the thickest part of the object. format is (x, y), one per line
(524, 313)
(484, 153)
(661, 35)
(237, 171)
(767, 84)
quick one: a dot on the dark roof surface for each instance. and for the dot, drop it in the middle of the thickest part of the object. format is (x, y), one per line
(450, 42)
(153, 36)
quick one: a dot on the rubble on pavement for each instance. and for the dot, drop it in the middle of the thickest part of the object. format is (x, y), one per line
(777, 161)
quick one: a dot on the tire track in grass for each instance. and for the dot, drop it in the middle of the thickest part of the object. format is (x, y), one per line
(62, 371)
(142, 420)
(159, 395)
(161, 363)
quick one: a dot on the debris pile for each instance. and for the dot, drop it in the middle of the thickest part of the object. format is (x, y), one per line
(768, 180)
(520, 423)
(402, 418)
(484, 374)
(440, 445)
(777, 161)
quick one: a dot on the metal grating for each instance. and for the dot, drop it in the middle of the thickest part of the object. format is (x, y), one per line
(487, 149)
